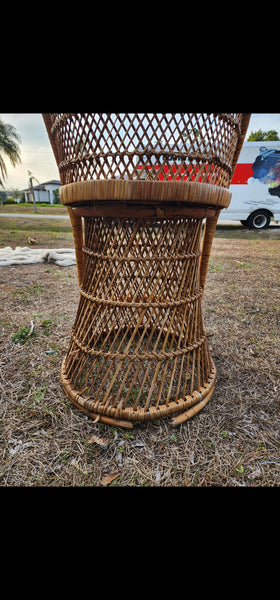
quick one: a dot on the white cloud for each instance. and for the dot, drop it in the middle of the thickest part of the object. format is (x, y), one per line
(40, 162)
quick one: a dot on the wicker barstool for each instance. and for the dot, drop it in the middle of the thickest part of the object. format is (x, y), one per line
(137, 188)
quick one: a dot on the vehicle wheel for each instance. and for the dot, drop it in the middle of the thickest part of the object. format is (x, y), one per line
(259, 219)
(243, 223)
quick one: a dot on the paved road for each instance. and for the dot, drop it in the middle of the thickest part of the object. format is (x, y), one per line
(33, 216)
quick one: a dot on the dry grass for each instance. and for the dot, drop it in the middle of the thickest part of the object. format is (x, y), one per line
(234, 441)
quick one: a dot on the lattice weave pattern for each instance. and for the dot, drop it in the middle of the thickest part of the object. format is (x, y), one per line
(182, 146)
(138, 346)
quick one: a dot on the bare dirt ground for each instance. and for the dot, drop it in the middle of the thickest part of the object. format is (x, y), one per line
(233, 441)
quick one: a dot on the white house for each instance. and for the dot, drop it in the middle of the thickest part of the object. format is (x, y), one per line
(43, 192)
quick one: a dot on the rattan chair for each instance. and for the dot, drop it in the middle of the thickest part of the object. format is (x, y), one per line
(137, 188)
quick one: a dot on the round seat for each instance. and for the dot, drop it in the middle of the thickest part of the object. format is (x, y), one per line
(146, 192)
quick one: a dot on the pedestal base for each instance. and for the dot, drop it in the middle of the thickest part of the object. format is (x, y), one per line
(138, 347)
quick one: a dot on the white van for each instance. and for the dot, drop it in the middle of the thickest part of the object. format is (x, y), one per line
(255, 186)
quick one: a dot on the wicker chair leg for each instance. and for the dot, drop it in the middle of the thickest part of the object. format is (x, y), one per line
(209, 231)
(77, 228)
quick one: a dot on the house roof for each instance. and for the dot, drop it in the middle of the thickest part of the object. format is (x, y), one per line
(41, 186)
(54, 181)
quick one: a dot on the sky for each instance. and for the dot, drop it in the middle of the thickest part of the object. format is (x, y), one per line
(37, 155)
(36, 151)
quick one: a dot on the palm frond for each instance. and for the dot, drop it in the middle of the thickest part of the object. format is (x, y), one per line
(9, 146)
(3, 171)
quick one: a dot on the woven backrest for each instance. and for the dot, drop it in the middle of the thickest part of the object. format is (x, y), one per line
(201, 147)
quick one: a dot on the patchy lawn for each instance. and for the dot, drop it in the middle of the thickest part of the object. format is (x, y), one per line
(49, 233)
(233, 441)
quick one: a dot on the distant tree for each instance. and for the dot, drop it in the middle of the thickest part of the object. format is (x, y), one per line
(264, 136)
(56, 198)
(9, 147)
(3, 196)
(15, 193)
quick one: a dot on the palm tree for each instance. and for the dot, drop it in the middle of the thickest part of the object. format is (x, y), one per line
(9, 146)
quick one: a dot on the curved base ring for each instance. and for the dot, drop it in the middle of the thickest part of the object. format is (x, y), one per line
(194, 403)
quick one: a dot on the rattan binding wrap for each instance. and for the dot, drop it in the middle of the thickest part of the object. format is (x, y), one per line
(138, 346)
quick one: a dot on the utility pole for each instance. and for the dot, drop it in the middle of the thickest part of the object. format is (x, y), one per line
(31, 189)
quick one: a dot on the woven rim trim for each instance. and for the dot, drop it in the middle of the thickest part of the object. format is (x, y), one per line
(148, 191)
(139, 414)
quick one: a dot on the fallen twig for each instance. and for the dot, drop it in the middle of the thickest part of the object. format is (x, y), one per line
(31, 329)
